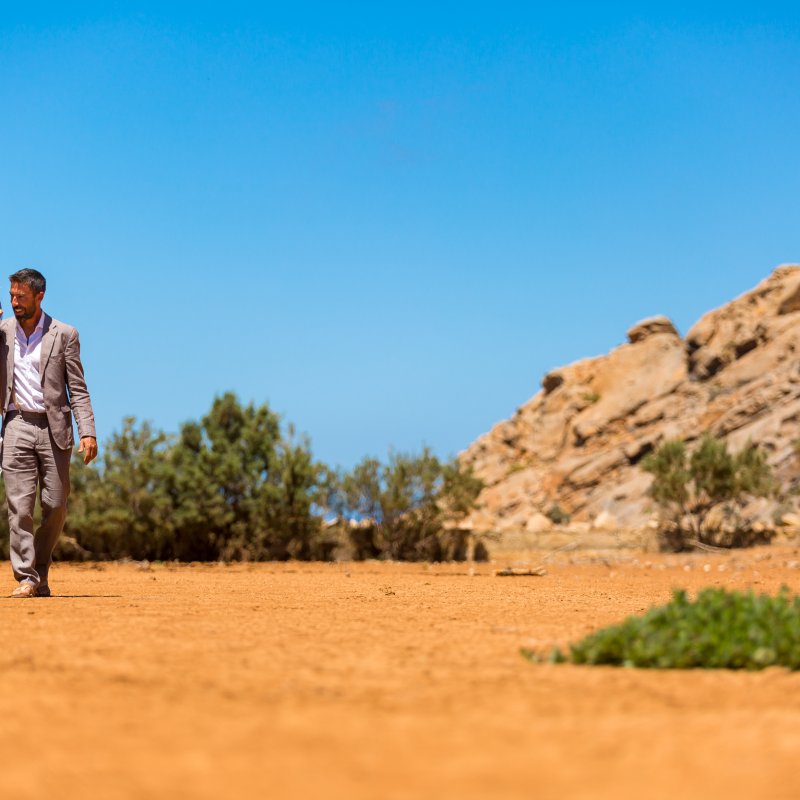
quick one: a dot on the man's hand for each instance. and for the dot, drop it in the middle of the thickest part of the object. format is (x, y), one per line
(88, 447)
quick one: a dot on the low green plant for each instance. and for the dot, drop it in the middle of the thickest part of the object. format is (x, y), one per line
(557, 515)
(590, 397)
(718, 630)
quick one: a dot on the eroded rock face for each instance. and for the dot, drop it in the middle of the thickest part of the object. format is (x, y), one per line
(727, 334)
(577, 443)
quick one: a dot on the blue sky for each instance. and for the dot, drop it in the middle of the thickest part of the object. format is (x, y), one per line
(387, 223)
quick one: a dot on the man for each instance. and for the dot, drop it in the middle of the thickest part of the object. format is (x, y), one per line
(43, 386)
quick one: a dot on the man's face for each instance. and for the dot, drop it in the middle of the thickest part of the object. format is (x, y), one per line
(24, 302)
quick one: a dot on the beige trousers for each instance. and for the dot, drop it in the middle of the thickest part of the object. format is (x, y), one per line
(33, 463)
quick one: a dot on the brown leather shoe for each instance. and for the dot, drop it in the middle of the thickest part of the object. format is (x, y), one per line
(25, 589)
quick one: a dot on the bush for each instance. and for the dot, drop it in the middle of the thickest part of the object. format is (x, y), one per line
(233, 486)
(557, 515)
(689, 487)
(406, 509)
(719, 630)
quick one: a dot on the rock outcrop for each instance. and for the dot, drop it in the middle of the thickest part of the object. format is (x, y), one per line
(577, 444)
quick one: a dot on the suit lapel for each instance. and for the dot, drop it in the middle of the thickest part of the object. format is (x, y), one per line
(48, 340)
(11, 331)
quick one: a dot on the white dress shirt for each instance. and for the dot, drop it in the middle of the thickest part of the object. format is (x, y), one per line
(28, 391)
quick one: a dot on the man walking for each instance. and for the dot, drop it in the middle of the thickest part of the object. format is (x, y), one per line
(43, 386)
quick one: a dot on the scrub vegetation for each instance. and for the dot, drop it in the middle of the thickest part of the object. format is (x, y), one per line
(239, 485)
(701, 494)
(718, 630)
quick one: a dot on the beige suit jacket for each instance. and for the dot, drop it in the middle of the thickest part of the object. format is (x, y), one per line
(63, 382)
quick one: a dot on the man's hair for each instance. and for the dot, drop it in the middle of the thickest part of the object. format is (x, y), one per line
(30, 277)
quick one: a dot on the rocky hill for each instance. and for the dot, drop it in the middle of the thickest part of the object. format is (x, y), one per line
(578, 442)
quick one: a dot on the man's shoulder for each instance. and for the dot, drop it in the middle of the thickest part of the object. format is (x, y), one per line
(53, 324)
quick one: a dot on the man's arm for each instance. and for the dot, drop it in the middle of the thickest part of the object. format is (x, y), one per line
(79, 397)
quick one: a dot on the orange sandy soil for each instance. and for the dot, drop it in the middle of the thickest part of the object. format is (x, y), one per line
(379, 680)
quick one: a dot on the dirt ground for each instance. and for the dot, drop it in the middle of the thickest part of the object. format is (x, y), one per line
(379, 680)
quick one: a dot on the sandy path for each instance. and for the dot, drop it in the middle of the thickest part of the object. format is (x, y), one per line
(378, 681)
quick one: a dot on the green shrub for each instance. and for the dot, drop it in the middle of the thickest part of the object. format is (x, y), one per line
(557, 515)
(689, 487)
(408, 508)
(719, 630)
(235, 485)
(590, 397)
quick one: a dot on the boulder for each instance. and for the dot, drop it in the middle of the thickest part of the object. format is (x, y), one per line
(605, 521)
(629, 377)
(791, 520)
(538, 523)
(652, 325)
